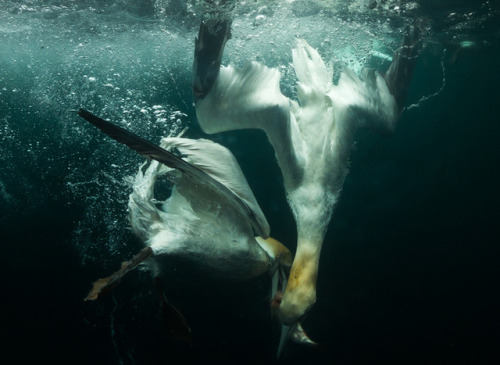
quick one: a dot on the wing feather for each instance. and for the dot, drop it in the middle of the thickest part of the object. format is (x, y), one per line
(220, 164)
(250, 97)
(150, 150)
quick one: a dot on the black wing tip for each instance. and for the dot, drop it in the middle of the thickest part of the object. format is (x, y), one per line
(209, 48)
(82, 112)
(140, 145)
(88, 116)
(150, 150)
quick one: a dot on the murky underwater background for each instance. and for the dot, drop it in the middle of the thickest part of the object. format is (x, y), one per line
(410, 266)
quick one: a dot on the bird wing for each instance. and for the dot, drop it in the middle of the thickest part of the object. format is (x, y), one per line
(364, 101)
(150, 150)
(229, 98)
(250, 97)
(373, 99)
(221, 165)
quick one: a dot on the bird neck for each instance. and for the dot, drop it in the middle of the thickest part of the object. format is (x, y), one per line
(304, 269)
(312, 207)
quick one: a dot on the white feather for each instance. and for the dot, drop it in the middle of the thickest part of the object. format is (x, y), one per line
(196, 221)
(312, 139)
(218, 162)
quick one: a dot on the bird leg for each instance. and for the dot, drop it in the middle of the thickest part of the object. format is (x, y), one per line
(105, 285)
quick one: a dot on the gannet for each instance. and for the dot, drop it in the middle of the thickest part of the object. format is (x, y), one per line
(211, 217)
(312, 137)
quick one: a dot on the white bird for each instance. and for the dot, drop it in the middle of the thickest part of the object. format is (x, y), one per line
(211, 217)
(312, 137)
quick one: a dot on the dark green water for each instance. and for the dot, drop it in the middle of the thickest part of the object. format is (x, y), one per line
(409, 270)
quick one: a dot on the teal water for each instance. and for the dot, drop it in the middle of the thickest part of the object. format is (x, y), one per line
(409, 268)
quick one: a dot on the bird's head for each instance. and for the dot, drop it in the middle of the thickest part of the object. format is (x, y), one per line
(298, 298)
(296, 303)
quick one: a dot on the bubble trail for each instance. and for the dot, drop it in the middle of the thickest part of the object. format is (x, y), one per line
(425, 98)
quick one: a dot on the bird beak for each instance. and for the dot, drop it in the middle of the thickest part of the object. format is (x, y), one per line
(286, 332)
(296, 333)
(300, 336)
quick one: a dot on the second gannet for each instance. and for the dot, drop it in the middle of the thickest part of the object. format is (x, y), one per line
(211, 217)
(312, 137)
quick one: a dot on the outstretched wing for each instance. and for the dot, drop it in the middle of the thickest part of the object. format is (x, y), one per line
(237, 190)
(376, 100)
(241, 98)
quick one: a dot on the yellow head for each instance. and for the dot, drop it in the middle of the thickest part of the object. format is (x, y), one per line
(300, 293)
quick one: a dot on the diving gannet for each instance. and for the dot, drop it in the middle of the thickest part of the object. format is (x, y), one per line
(312, 137)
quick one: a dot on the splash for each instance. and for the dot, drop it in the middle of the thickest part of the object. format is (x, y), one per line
(137, 73)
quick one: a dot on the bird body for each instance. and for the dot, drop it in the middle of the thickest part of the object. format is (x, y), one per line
(312, 137)
(196, 222)
(210, 217)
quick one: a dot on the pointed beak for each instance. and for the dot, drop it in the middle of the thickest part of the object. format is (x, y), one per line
(286, 332)
(300, 336)
(295, 333)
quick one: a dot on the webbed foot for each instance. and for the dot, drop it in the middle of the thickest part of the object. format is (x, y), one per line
(105, 285)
